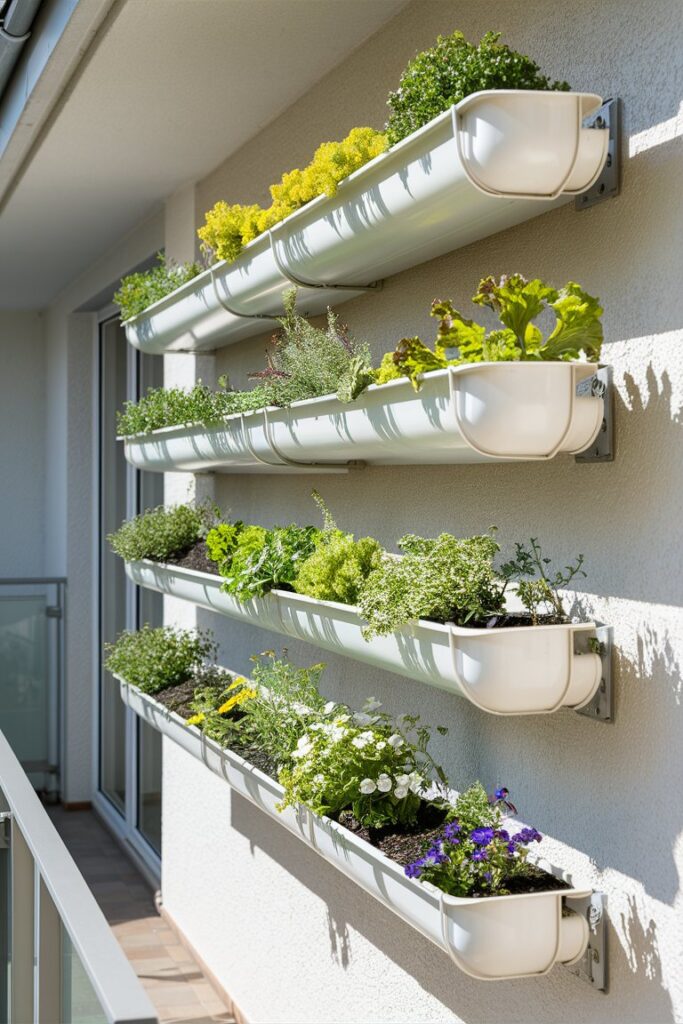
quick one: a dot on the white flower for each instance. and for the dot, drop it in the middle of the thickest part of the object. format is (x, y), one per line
(400, 792)
(342, 718)
(384, 783)
(362, 740)
(329, 707)
(319, 778)
(402, 780)
(395, 741)
(360, 718)
(381, 745)
(367, 787)
(416, 781)
(303, 747)
(372, 704)
(337, 733)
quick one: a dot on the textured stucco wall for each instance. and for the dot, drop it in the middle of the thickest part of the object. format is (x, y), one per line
(288, 936)
(22, 454)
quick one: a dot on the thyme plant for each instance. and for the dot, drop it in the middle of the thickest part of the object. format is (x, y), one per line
(154, 659)
(161, 533)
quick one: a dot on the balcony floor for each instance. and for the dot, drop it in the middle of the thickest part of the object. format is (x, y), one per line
(173, 980)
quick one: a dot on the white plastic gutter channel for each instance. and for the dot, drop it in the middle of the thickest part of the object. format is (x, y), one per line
(482, 412)
(491, 939)
(518, 670)
(492, 161)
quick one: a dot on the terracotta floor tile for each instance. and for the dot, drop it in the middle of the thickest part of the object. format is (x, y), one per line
(171, 977)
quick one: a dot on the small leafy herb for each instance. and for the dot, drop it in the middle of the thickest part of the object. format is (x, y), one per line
(443, 75)
(161, 533)
(539, 595)
(257, 560)
(170, 407)
(446, 580)
(154, 659)
(138, 291)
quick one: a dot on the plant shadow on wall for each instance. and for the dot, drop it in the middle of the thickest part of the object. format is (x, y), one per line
(350, 910)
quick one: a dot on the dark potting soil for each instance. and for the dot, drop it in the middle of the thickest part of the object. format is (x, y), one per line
(195, 558)
(179, 697)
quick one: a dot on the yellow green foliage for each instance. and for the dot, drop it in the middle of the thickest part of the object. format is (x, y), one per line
(229, 228)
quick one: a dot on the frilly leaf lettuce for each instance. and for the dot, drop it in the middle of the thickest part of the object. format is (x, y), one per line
(517, 302)
(578, 328)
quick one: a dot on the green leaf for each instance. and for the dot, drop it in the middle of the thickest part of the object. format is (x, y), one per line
(578, 328)
(458, 333)
(516, 301)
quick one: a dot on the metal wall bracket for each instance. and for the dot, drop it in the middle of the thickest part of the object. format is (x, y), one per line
(600, 707)
(606, 186)
(592, 967)
(53, 611)
(599, 385)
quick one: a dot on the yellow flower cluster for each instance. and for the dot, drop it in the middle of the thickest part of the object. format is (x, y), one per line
(246, 693)
(227, 229)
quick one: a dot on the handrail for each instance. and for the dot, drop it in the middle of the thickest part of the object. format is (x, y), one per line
(114, 982)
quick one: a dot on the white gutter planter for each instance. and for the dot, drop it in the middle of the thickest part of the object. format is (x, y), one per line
(493, 938)
(494, 160)
(519, 670)
(480, 412)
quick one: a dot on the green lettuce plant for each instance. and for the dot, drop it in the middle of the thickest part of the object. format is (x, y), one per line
(339, 565)
(577, 333)
(154, 659)
(138, 291)
(437, 78)
(257, 560)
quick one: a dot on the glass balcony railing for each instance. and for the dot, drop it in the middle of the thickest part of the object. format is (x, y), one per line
(59, 961)
(32, 619)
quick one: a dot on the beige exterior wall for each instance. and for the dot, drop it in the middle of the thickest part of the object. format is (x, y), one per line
(287, 935)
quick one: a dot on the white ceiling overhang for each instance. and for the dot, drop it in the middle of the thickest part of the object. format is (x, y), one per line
(168, 89)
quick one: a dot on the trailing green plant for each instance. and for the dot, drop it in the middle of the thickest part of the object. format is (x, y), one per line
(304, 362)
(162, 533)
(577, 333)
(376, 767)
(475, 855)
(445, 580)
(154, 659)
(228, 228)
(453, 68)
(287, 699)
(138, 291)
(340, 564)
(537, 584)
(170, 407)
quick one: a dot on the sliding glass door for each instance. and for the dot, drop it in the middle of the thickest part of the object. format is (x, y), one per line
(130, 752)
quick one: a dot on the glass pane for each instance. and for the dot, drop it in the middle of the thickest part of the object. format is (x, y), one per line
(80, 1005)
(149, 784)
(24, 690)
(113, 384)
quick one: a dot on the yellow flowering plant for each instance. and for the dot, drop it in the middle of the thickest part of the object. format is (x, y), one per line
(228, 228)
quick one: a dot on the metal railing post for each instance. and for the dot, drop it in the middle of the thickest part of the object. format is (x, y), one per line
(49, 966)
(22, 953)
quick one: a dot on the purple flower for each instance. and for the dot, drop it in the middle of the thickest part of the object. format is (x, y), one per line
(488, 876)
(501, 793)
(512, 848)
(481, 836)
(503, 834)
(479, 855)
(527, 835)
(451, 831)
(435, 854)
(413, 870)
